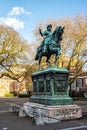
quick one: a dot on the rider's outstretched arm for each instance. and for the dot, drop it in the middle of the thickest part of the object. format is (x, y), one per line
(40, 32)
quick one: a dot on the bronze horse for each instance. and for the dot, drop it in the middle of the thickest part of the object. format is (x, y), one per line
(53, 46)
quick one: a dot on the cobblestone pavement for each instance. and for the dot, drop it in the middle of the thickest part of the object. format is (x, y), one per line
(13, 122)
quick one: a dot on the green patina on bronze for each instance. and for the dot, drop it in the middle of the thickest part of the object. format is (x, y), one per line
(51, 69)
(50, 87)
(50, 45)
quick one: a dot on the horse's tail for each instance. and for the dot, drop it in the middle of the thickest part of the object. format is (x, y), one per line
(37, 57)
(39, 49)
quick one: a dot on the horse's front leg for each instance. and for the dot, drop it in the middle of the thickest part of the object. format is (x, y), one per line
(39, 62)
(58, 53)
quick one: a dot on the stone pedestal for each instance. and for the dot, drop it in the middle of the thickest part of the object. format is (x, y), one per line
(51, 114)
(50, 87)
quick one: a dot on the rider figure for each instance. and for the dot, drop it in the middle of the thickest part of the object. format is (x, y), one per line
(47, 36)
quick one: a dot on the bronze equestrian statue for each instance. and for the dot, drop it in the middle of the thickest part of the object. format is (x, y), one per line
(51, 44)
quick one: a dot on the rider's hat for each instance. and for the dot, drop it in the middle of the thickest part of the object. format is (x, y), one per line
(50, 25)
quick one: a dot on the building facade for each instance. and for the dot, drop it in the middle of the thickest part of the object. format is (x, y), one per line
(79, 83)
(8, 85)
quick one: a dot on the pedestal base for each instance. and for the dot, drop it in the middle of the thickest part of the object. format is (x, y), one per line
(51, 114)
(51, 100)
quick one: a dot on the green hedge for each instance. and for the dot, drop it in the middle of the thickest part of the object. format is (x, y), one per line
(24, 95)
(74, 93)
(79, 99)
(9, 95)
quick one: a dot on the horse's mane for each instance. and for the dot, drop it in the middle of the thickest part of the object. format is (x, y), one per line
(53, 35)
(58, 34)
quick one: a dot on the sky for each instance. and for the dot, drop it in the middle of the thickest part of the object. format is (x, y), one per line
(24, 15)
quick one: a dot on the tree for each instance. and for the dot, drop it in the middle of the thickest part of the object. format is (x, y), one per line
(13, 54)
(74, 44)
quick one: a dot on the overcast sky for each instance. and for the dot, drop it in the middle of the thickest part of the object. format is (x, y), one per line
(24, 15)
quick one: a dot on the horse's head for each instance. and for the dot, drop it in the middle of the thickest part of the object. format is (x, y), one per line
(59, 29)
(57, 35)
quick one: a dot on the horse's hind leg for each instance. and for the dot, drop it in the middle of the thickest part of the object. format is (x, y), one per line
(56, 59)
(39, 62)
(48, 62)
(57, 56)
